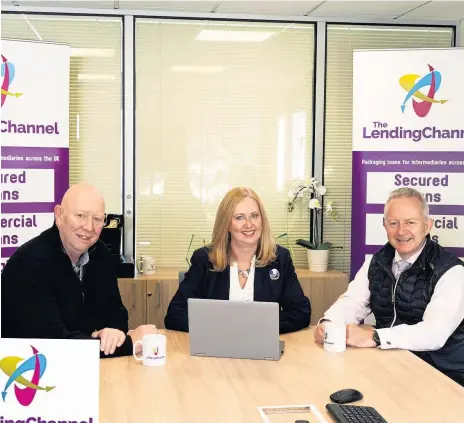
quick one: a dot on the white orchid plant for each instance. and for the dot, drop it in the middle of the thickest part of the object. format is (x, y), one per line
(312, 188)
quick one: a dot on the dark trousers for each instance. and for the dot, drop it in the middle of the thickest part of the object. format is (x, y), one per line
(458, 377)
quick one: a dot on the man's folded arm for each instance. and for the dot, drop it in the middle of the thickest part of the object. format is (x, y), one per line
(32, 310)
(115, 313)
(442, 316)
(353, 306)
(35, 312)
(125, 349)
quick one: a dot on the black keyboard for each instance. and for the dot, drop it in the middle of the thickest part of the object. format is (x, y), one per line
(354, 414)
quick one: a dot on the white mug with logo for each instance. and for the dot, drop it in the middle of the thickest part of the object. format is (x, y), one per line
(146, 265)
(334, 336)
(153, 350)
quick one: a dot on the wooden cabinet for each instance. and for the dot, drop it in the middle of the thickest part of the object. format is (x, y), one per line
(133, 295)
(147, 297)
(322, 288)
(159, 295)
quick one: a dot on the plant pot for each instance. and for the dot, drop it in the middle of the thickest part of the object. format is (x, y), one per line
(318, 260)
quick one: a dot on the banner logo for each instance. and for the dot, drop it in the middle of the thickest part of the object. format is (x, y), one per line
(413, 83)
(37, 363)
(8, 74)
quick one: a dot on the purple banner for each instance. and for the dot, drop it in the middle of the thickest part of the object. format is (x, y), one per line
(34, 180)
(438, 175)
(28, 207)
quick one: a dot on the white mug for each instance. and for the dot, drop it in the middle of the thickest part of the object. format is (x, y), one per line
(334, 337)
(153, 350)
(146, 265)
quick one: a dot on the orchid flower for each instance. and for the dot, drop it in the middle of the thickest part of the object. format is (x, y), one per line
(316, 192)
(314, 203)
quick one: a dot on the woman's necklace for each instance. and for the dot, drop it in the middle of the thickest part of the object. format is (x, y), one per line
(244, 273)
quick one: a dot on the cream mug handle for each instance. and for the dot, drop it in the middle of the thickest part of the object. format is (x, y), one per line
(139, 264)
(133, 350)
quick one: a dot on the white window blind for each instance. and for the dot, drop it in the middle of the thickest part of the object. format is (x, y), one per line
(218, 105)
(341, 41)
(95, 134)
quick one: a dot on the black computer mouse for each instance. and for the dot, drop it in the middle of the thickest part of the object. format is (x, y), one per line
(345, 396)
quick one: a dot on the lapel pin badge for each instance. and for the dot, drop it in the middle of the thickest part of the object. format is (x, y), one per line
(274, 274)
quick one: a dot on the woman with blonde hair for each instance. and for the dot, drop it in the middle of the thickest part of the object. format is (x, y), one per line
(242, 263)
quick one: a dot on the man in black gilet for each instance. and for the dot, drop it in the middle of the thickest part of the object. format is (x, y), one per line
(414, 288)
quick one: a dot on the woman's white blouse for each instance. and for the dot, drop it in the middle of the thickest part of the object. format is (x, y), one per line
(236, 292)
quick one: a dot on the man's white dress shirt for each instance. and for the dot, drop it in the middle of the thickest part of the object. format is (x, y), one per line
(442, 316)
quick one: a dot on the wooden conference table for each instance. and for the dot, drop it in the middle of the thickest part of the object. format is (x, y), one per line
(403, 388)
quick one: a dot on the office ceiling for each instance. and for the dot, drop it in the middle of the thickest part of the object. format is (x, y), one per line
(369, 9)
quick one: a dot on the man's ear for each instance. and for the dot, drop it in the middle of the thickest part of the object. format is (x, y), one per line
(428, 225)
(58, 212)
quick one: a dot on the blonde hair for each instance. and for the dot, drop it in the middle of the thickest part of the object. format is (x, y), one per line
(220, 242)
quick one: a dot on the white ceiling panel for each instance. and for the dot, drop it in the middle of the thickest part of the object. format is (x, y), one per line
(174, 6)
(83, 4)
(360, 9)
(369, 9)
(438, 10)
(296, 8)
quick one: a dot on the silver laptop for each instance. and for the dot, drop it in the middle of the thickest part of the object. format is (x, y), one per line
(234, 329)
